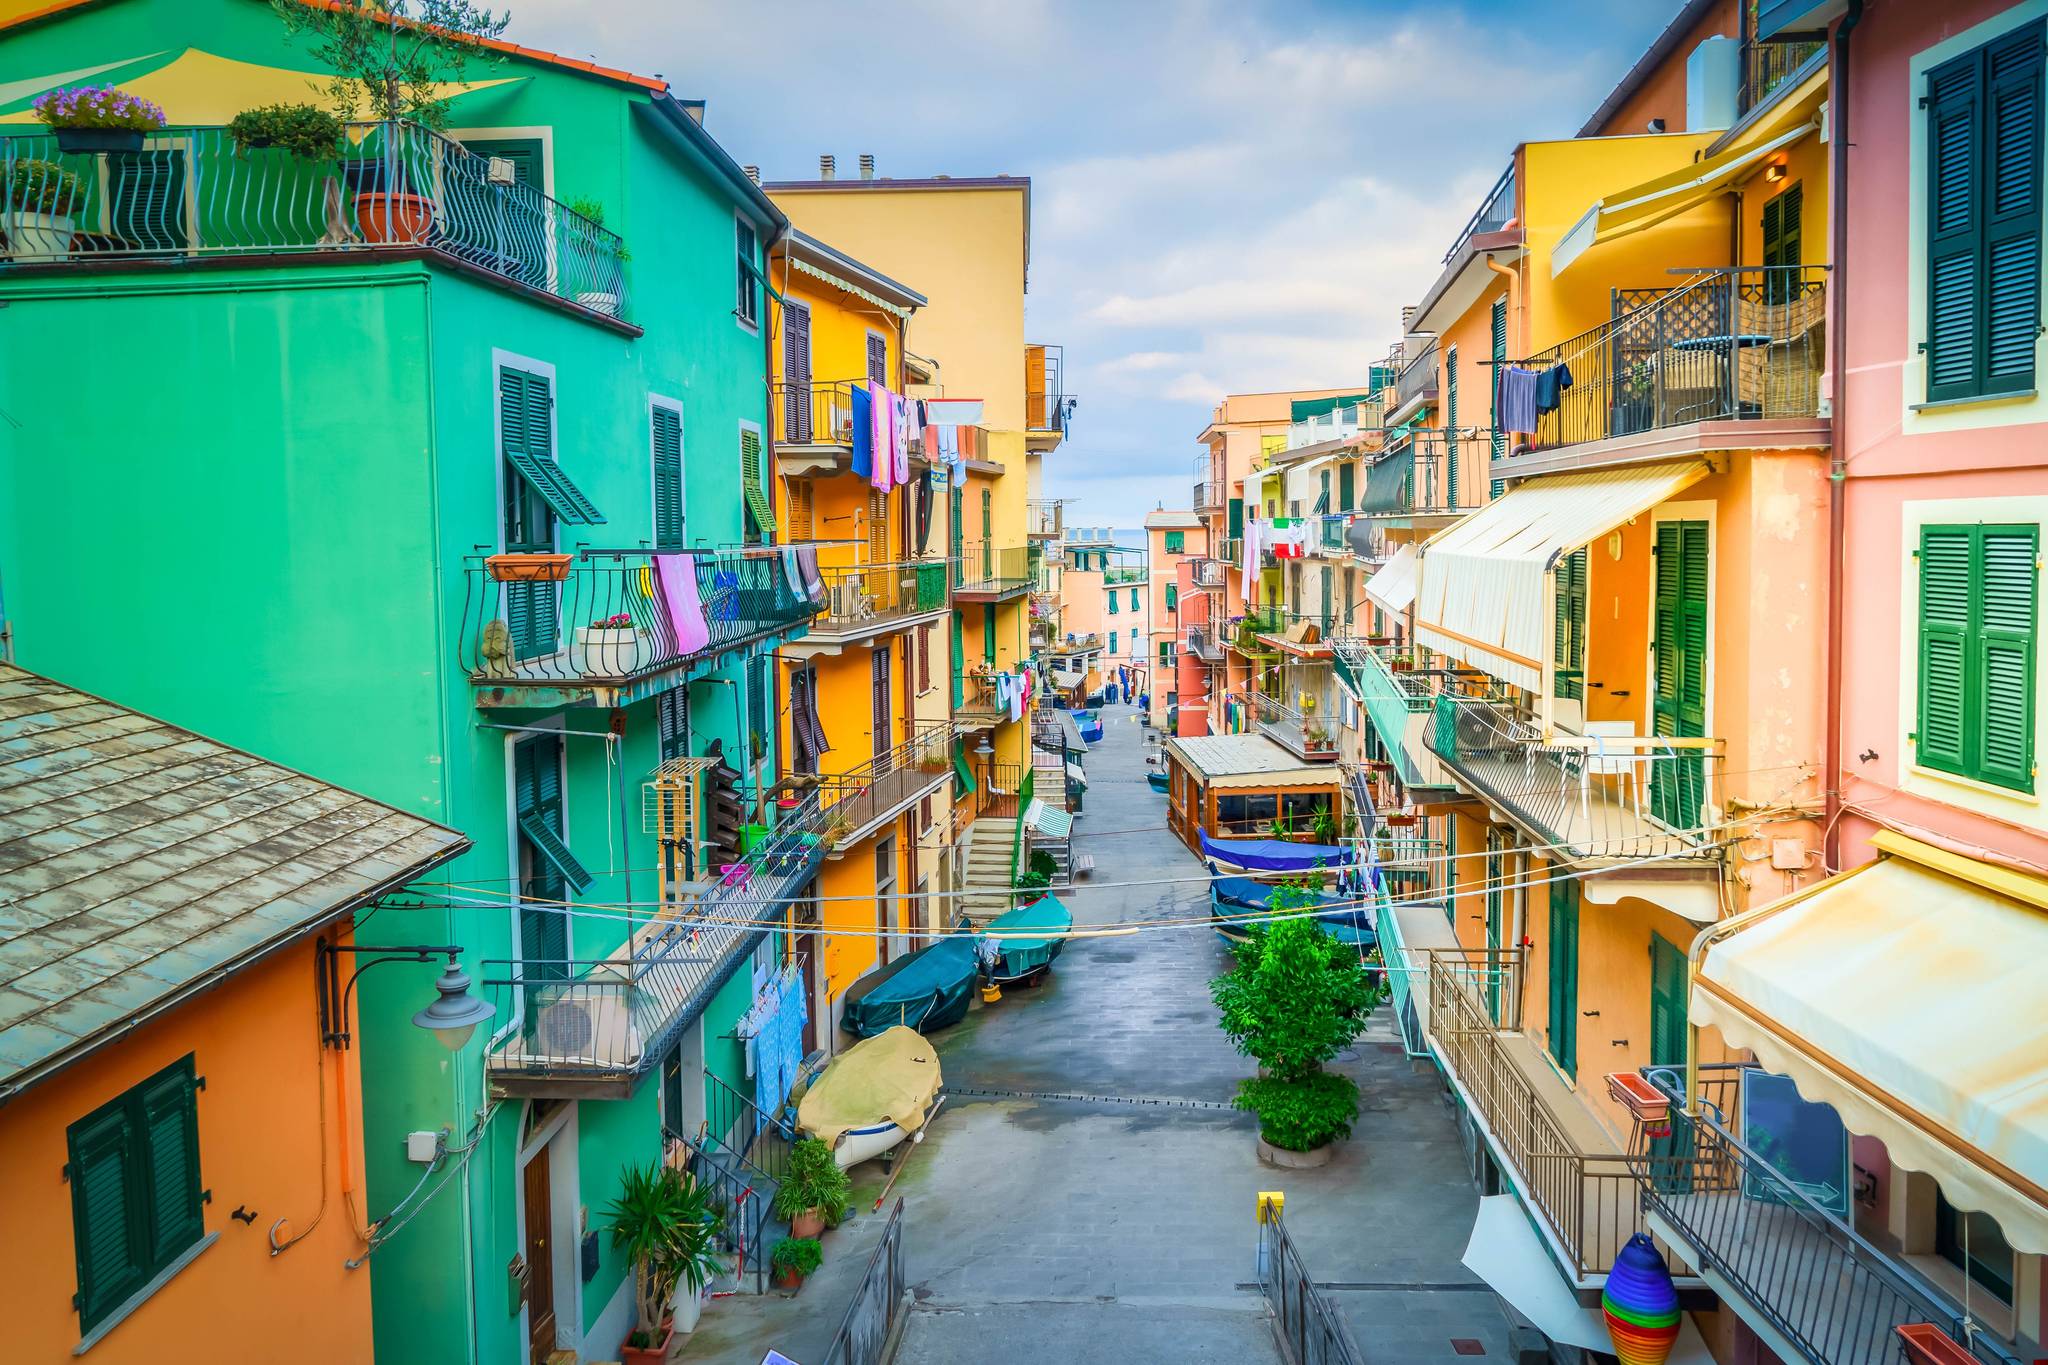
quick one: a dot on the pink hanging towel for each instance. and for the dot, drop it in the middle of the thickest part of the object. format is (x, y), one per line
(905, 420)
(677, 575)
(882, 411)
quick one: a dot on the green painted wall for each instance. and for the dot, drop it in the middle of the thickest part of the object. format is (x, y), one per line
(246, 508)
(724, 1055)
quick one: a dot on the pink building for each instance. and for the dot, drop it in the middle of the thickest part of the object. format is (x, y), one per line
(1177, 547)
(1104, 614)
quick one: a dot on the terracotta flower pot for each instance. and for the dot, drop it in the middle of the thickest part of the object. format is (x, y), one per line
(808, 1223)
(650, 1355)
(789, 1279)
(537, 568)
(387, 218)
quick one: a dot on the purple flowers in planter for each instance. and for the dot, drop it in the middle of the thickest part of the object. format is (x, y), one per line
(98, 106)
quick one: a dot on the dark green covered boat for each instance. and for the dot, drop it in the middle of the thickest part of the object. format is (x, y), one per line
(1018, 956)
(925, 990)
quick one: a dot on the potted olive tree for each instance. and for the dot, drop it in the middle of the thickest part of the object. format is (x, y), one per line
(664, 1222)
(1294, 1000)
(814, 1192)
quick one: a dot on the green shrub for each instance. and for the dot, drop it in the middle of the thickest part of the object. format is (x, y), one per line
(1044, 862)
(814, 1181)
(802, 1255)
(1034, 880)
(42, 187)
(1299, 1116)
(306, 131)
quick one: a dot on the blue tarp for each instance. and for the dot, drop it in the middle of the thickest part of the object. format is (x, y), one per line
(1233, 898)
(1274, 855)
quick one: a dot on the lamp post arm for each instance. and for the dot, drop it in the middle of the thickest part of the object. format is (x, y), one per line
(334, 993)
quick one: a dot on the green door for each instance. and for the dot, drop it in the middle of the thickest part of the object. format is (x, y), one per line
(1496, 912)
(537, 795)
(1678, 786)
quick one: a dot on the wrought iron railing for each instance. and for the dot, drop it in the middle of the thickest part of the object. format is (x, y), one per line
(739, 1195)
(1310, 1329)
(863, 1335)
(194, 191)
(1735, 345)
(858, 799)
(1495, 212)
(1418, 376)
(1767, 66)
(1628, 796)
(862, 597)
(987, 568)
(819, 412)
(1208, 496)
(736, 1126)
(1203, 644)
(1831, 1293)
(607, 620)
(1432, 470)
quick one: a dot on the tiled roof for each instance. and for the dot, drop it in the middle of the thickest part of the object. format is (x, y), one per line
(140, 863)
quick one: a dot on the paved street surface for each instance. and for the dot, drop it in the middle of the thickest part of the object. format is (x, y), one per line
(1116, 1221)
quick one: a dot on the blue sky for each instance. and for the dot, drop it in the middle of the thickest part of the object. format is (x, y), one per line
(1227, 196)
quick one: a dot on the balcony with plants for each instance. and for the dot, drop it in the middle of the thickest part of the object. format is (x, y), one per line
(1398, 686)
(866, 600)
(1301, 716)
(111, 185)
(611, 627)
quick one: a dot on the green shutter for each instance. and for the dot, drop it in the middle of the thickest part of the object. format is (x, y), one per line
(752, 488)
(1667, 1002)
(1112, 644)
(963, 775)
(1564, 971)
(2010, 579)
(1172, 597)
(1499, 440)
(1347, 486)
(1678, 651)
(668, 479)
(1236, 518)
(550, 846)
(1946, 585)
(526, 430)
(1112, 602)
(1176, 541)
(1979, 620)
(988, 632)
(109, 1233)
(959, 508)
(1984, 129)
(1569, 663)
(170, 1116)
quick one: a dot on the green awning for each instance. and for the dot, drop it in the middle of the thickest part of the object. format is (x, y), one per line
(963, 775)
(555, 851)
(1049, 821)
(555, 488)
(1301, 409)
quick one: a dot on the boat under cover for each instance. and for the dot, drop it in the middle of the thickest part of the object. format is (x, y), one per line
(1022, 956)
(1275, 855)
(873, 1095)
(1233, 899)
(925, 990)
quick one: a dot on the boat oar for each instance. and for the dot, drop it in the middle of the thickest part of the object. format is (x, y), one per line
(916, 1138)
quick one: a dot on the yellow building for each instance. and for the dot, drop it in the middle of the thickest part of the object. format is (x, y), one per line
(865, 711)
(966, 241)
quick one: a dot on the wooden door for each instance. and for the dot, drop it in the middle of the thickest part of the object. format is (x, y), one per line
(540, 1262)
(796, 373)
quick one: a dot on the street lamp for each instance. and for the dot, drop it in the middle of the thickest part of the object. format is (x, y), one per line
(452, 1018)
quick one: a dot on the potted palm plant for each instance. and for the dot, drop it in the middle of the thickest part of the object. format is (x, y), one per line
(98, 118)
(814, 1192)
(35, 209)
(664, 1222)
(793, 1260)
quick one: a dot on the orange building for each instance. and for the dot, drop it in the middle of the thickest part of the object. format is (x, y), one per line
(178, 1101)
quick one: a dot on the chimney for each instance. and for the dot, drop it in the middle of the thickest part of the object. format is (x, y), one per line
(753, 173)
(867, 165)
(827, 169)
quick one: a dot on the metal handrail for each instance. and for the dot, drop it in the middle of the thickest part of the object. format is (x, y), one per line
(1495, 212)
(1310, 1329)
(855, 799)
(1418, 376)
(860, 596)
(870, 1318)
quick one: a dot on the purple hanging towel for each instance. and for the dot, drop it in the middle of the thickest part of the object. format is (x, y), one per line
(677, 575)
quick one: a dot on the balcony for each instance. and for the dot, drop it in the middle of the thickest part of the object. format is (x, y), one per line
(1203, 644)
(1494, 214)
(194, 194)
(859, 802)
(1207, 573)
(1417, 386)
(814, 414)
(1045, 518)
(1048, 407)
(605, 631)
(1730, 361)
(1768, 67)
(1400, 702)
(593, 1029)
(1431, 473)
(1308, 735)
(866, 600)
(1075, 644)
(1594, 798)
(1568, 1169)
(987, 572)
(1329, 538)
(1128, 575)
(1771, 1246)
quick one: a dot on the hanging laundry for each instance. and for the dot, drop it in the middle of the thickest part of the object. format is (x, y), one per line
(882, 430)
(1249, 577)
(1517, 400)
(1289, 537)
(1550, 386)
(677, 575)
(899, 468)
(863, 432)
(924, 510)
(813, 581)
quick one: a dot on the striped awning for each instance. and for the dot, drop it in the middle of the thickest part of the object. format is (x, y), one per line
(1047, 821)
(1394, 585)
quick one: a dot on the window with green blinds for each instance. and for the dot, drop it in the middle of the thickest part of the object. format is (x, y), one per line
(1172, 597)
(667, 443)
(1112, 602)
(1983, 168)
(1112, 643)
(1570, 662)
(1134, 599)
(1176, 542)
(136, 1200)
(1564, 973)
(547, 868)
(753, 488)
(1979, 623)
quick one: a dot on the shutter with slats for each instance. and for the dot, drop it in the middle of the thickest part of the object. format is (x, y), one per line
(668, 479)
(106, 1207)
(878, 358)
(803, 517)
(1564, 973)
(1570, 627)
(1498, 443)
(2010, 582)
(1347, 486)
(988, 633)
(1679, 657)
(171, 1129)
(763, 528)
(796, 372)
(1955, 233)
(2012, 210)
(1945, 587)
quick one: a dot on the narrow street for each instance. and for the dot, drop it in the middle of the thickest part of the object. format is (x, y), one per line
(1087, 1187)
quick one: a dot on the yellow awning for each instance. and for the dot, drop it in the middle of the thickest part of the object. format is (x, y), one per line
(1907, 994)
(1667, 196)
(1481, 598)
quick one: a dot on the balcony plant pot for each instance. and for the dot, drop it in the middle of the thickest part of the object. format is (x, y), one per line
(807, 1223)
(789, 1280)
(90, 140)
(649, 1355)
(45, 236)
(1399, 820)
(385, 218)
(528, 568)
(609, 652)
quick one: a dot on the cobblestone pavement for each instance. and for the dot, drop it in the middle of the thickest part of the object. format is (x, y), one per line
(1116, 1222)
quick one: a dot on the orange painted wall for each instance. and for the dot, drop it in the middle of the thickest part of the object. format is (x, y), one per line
(268, 1085)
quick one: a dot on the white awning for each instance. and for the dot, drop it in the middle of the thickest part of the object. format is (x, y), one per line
(1069, 677)
(1693, 898)
(1908, 994)
(1482, 589)
(1505, 1251)
(1394, 585)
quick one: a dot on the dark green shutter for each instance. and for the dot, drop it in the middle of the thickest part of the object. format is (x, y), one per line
(1564, 970)
(2010, 577)
(110, 1235)
(537, 797)
(668, 479)
(1569, 662)
(1347, 487)
(1679, 660)
(1496, 913)
(1176, 542)
(1499, 444)
(1979, 615)
(1236, 518)
(529, 526)
(170, 1119)
(753, 490)
(1668, 986)
(1945, 595)
(1984, 129)
(988, 632)
(1172, 597)
(759, 716)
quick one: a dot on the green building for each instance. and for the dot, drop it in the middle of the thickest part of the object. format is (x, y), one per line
(273, 424)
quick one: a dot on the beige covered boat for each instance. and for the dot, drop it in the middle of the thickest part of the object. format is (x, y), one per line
(876, 1093)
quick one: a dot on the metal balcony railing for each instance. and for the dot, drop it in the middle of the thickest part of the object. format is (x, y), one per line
(1836, 1297)
(1594, 797)
(866, 597)
(1767, 66)
(1048, 408)
(606, 621)
(1208, 497)
(816, 413)
(1741, 344)
(857, 800)
(193, 191)
(1431, 471)
(1400, 702)
(1126, 575)
(1203, 644)
(985, 569)
(581, 1020)
(1418, 376)
(1330, 531)
(1045, 518)
(1495, 212)
(1077, 643)
(1207, 573)
(1305, 734)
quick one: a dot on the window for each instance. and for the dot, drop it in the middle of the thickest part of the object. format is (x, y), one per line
(1172, 597)
(760, 528)
(1979, 609)
(1570, 644)
(547, 869)
(1350, 597)
(1112, 644)
(878, 358)
(1166, 654)
(1112, 602)
(1347, 486)
(747, 308)
(988, 632)
(672, 723)
(1134, 600)
(135, 1192)
(1984, 115)
(1176, 542)
(667, 443)
(1974, 1244)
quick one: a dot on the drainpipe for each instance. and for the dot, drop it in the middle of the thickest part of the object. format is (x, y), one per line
(1838, 387)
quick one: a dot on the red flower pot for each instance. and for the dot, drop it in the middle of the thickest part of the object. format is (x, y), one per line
(385, 218)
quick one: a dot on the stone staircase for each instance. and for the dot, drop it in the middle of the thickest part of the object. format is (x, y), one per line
(986, 889)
